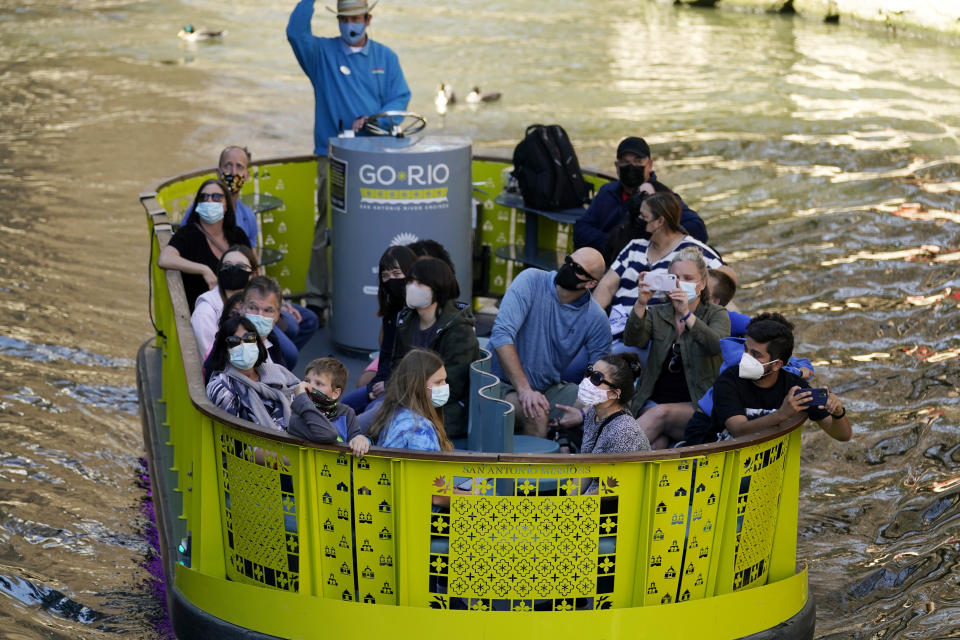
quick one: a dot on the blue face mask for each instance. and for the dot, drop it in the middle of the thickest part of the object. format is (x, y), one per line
(244, 356)
(263, 324)
(352, 32)
(690, 288)
(210, 212)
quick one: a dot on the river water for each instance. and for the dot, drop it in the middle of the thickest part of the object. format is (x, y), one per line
(799, 143)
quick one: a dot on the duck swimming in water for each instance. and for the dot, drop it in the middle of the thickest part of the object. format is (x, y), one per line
(192, 34)
(475, 97)
(444, 97)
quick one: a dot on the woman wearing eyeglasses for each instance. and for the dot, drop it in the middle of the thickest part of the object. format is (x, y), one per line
(684, 341)
(196, 248)
(249, 387)
(605, 392)
(236, 266)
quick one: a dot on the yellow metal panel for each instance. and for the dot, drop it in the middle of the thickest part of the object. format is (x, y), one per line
(758, 497)
(374, 506)
(291, 616)
(259, 484)
(336, 525)
(290, 227)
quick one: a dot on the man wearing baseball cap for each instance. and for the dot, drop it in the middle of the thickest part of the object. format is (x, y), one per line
(353, 78)
(609, 210)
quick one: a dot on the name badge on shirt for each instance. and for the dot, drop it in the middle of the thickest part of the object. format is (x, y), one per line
(344, 69)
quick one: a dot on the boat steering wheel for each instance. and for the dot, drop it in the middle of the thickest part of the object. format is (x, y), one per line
(405, 123)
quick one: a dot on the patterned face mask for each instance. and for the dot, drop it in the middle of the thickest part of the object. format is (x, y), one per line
(234, 181)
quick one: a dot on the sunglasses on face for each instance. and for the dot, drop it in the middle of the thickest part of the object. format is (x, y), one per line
(596, 377)
(577, 269)
(210, 197)
(234, 341)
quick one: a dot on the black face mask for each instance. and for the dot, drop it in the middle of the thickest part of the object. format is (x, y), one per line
(567, 279)
(631, 175)
(233, 278)
(396, 289)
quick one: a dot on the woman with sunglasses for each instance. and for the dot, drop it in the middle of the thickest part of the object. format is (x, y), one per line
(236, 265)
(249, 387)
(684, 342)
(605, 392)
(197, 247)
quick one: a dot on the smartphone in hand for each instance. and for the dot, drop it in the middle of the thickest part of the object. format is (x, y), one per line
(818, 396)
(660, 281)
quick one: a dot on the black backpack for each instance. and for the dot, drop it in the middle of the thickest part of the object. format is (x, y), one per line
(547, 170)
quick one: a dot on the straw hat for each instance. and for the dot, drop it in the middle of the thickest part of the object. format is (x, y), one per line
(352, 7)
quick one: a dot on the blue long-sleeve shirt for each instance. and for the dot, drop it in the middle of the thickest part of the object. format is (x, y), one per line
(608, 210)
(374, 83)
(546, 333)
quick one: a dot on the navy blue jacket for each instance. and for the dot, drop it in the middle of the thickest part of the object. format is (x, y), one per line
(608, 210)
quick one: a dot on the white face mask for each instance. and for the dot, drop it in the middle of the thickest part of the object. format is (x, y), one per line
(244, 356)
(751, 368)
(690, 288)
(418, 296)
(588, 394)
(439, 395)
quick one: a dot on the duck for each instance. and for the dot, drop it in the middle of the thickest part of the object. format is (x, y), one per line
(192, 34)
(444, 97)
(475, 96)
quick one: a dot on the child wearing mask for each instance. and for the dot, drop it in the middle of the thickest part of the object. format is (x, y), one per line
(324, 380)
(409, 417)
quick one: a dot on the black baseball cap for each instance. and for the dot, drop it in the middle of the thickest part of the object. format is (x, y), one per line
(636, 146)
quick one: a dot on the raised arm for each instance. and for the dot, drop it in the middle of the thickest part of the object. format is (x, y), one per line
(300, 35)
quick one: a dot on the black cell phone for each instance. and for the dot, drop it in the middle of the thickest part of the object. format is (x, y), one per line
(818, 396)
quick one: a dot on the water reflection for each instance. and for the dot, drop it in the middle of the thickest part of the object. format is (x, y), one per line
(823, 160)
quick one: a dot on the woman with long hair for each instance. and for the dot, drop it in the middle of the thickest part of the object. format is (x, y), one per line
(684, 342)
(409, 417)
(233, 272)
(434, 320)
(196, 248)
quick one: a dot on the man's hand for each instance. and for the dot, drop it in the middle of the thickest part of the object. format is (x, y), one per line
(834, 405)
(534, 403)
(377, 390)
(359, 445)
(796, 401)
(292, 310)
(571, 417)
(359, 122)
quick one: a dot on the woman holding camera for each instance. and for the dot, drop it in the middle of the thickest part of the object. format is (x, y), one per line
(684, 342)
(619, 287)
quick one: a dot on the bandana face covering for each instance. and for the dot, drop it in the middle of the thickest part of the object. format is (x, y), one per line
(234, 181)
(323, 403)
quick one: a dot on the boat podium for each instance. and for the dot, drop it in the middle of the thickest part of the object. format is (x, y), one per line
(267, 536)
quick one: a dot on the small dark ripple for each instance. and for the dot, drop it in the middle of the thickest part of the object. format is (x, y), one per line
(52, 353)
(47, 599)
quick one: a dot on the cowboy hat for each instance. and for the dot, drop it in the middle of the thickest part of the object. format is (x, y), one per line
(352, 7)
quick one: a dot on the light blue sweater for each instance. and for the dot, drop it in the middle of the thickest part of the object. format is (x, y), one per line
(374, 83)
(547, 333)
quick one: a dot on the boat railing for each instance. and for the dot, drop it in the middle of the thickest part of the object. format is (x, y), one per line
(301, 523)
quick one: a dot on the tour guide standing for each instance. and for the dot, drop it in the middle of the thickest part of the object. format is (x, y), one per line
(353, 78)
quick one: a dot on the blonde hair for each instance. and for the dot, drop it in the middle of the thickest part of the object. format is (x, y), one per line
(408, 388)
(692, 254)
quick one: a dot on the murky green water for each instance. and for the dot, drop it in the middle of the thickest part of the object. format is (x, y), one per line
(797, 142)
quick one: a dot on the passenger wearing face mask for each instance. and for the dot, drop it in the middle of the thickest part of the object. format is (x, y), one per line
(684, 357)
(609, 208)
(233, 171)
(245, 384)
(435, 320)
(620, 286)
(262, 301)
(411, 416)
(237, 264)
(761, 392)
(394, 266)
(604, 395)
(545, 319)
(196, 248)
